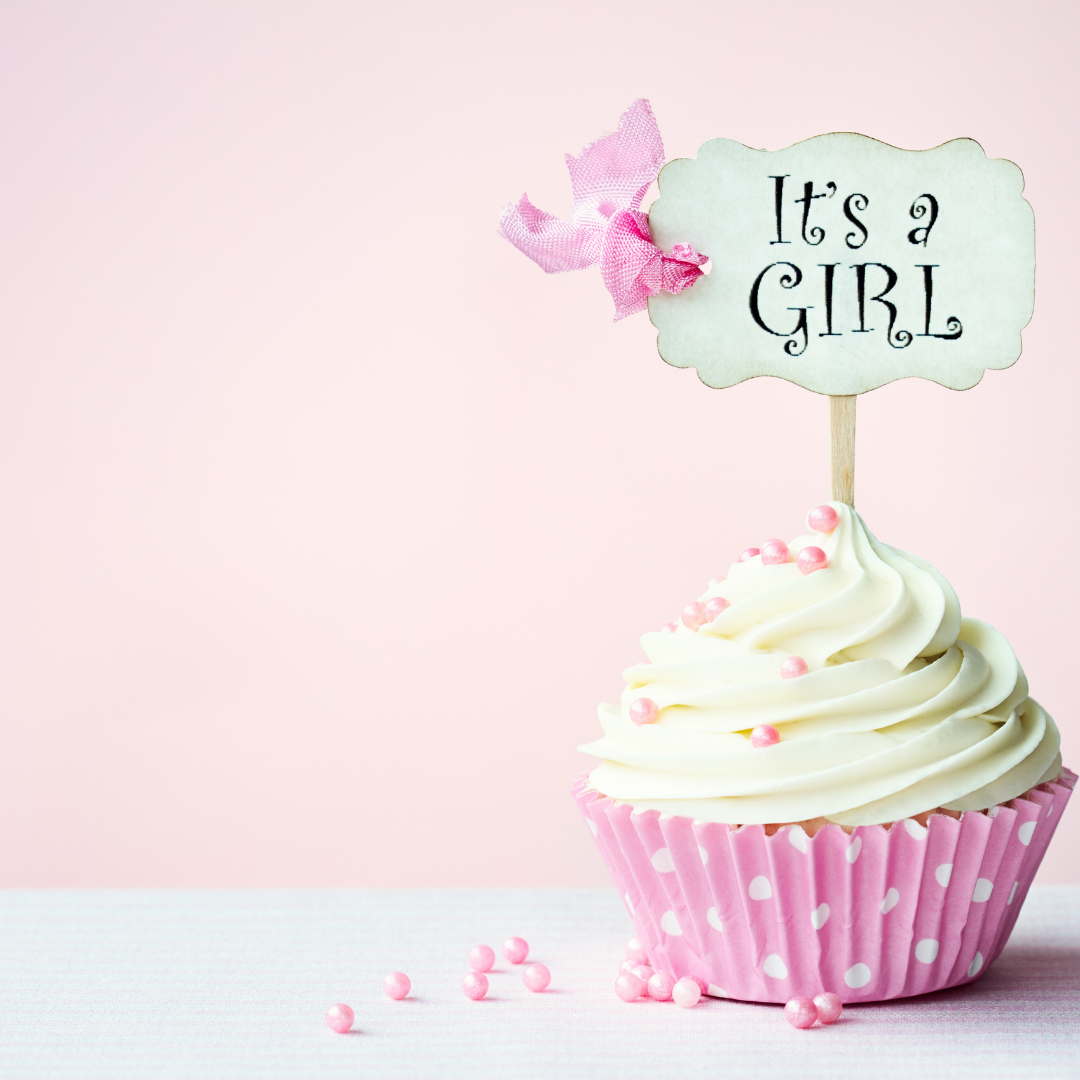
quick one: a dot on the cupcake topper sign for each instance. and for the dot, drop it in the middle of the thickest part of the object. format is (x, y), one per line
(840, 263)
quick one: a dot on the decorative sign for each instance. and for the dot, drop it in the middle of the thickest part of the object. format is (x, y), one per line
(843, 263)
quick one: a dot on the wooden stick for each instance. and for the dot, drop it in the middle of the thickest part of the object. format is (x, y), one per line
(842, 443)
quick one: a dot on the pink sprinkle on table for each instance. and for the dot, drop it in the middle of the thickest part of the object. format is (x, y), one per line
(397, 985)
(644, 711)
(660, 986)
(686, 993)
(810, 559)
(475, 985)
(515, 950)
(537, 978)
(644, 972)
(636, 951)
(793, 667)
(764, 735)
(629, 987)
(801, 1012)
(823, 519)
(829, 1007)
(481, 958)
(339, 1018)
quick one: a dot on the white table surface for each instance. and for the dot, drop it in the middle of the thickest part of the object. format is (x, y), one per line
(236, 983)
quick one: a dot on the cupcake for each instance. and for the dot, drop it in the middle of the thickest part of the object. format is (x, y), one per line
(825, 778)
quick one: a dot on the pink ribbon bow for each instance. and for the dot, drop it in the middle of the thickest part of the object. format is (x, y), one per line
(609, 180)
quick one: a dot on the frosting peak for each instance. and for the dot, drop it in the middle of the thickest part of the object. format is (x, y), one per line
(905, 706)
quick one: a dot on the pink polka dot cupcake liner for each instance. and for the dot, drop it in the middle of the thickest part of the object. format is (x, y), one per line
(877, 913)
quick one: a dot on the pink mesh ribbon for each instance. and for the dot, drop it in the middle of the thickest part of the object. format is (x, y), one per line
(609, 179)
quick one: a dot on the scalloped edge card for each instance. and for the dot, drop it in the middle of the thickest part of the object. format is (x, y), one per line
(842, 263)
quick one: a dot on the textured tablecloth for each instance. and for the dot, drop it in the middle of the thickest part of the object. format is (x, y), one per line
(235, 984)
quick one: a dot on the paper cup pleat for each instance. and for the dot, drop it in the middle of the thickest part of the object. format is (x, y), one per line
(877, 913)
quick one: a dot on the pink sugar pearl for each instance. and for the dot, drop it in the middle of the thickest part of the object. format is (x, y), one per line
(644, 972)
(686, 993)
(829, 1007)
(702, 985)
(397, 985)
(823, 519)
(628, 965)
(715, 607)
(810, 559)
(793, 667)
(749, 553)
(693, 615)
(481, 958)
(339, 1018)
(660, 986)
(764, 735)
(475, 985)
(800, 1013)
(515, 950)
(774, 552)
(669, 628)
(644, 711)
(629, 987)
(635, 951)
(537, 978)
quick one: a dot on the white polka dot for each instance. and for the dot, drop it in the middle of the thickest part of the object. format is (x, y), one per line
(670, 924)
(797, 838)
(662, 861)
(629, 903)
(592, 825)
(914, 829)
(975, 966)
(857, 976)
(1025, 831)
(1013, 893)
(983, 888)
(774, 967)
(892, 898)
(760, 889)
(713, 919)
(715, 991)
(704, 855)
(926, 950)
(819, 916)
(853, 850)
(943, 874)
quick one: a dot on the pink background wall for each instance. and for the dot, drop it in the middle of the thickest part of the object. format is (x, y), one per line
(328, 518)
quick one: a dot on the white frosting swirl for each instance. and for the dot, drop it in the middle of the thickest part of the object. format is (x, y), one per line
(906, 706)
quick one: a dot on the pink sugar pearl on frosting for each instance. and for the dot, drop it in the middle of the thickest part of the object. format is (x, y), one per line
(693, 615)
(749, 553)
(823, 519)
(515, 950)
(537, 978)
(793, 668)
(686, 992)
(636, 951)
(801, 1012)
(669, 628)
(397, 985)
(810, 559)
(644, 711)
(764, 735)
(716, 606)
(660, 986)
(339, 1018)
(629, 987)
(482, 958)
(475, 985)
(829, 1007)
(774, 552)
